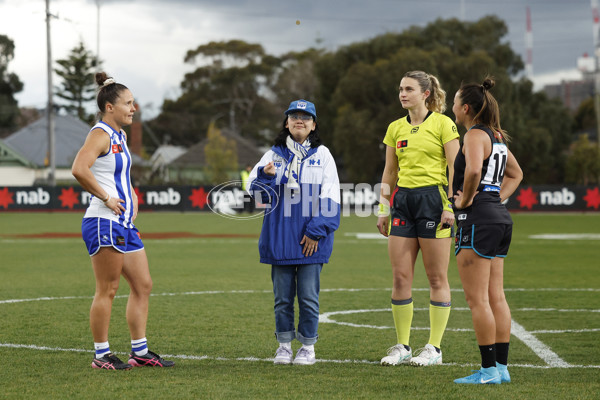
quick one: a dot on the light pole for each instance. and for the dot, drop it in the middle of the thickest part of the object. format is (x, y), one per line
(50, 106)
(97, 35)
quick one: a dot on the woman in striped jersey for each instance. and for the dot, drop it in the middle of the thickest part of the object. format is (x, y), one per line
(102, 167)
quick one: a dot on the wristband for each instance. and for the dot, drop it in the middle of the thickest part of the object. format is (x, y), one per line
(383, 211)
(107, 199)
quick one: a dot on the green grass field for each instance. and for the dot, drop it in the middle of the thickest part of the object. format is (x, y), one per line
(212, 311)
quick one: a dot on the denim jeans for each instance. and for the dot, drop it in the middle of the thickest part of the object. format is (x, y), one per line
(289, 280)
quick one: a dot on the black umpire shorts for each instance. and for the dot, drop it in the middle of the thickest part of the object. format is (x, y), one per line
(417, 213)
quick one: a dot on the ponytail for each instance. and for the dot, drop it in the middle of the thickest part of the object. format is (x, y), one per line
(483, 105)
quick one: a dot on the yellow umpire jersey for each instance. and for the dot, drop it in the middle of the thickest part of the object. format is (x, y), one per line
(420, 149)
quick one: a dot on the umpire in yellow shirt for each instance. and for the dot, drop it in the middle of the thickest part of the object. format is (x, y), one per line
(415, 213)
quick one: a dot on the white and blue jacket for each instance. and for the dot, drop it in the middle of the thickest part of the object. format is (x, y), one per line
(313, 210)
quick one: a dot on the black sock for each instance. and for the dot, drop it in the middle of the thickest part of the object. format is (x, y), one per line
(488, 355)
(502, 353)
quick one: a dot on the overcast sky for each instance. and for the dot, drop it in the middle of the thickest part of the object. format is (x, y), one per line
(143, 42)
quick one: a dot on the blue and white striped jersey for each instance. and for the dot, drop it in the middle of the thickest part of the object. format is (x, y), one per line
(112, 171)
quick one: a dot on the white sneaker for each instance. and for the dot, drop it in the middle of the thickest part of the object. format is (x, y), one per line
(397, 355)
(428, 355)
(305, 356)
(283, 355)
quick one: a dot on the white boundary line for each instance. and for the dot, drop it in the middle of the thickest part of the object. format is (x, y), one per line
(257, 359)
(539, 348)
(46, 298)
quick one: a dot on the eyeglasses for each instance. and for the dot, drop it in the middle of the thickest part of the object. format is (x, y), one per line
(301, 116)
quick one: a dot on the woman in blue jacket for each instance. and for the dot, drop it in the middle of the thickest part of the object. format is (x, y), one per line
(297, 181)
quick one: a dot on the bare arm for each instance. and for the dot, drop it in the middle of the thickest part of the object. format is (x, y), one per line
(476, 147)
(512, 177)
(388, 181)
(451, 150)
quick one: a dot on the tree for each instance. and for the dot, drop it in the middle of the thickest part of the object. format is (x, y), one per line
(232, 81)
(221, 156)
(583, 164)
(9, 86)
(358, 95)
(78, 85)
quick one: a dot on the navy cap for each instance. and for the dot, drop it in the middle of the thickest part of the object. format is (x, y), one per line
(302, 105)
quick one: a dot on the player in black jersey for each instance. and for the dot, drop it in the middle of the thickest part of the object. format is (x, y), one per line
(485, 174)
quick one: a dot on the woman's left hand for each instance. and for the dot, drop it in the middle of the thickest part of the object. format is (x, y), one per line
(310, 246)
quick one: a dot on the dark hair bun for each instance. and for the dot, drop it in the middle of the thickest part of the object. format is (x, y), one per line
(488, 83)
(100, 78)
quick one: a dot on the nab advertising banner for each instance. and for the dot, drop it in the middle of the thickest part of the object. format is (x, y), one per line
(229, 198)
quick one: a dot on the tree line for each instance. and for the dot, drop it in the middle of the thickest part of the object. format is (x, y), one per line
(239, 86)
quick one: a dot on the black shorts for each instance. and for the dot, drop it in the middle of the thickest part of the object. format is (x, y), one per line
(418, 212)
(486, 241)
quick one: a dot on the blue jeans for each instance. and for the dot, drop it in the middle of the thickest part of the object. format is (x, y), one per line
(305, 280)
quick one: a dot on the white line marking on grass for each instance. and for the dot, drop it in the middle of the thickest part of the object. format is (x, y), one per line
(565, 331)
(552, 289)
(558, 309)
(366, 235)
(567, 236)
(325, 318)
(258, 359)
(540, 349)
(47, 298)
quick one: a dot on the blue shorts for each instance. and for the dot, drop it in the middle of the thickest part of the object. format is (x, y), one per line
(101, 232)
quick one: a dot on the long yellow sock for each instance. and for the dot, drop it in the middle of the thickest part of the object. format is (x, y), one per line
(402, 310)
(438, 318)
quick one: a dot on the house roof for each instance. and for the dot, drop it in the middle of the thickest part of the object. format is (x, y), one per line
(166, 153)
(247, 152)
(31, 142)
(10, 157)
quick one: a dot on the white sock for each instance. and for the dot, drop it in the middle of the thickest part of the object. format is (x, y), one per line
(287, 345)
(139, 346)
(102, 349)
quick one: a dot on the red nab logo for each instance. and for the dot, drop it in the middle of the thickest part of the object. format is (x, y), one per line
(116, 148)
(401, 144)
(396, 222)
